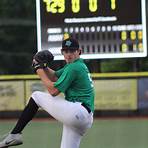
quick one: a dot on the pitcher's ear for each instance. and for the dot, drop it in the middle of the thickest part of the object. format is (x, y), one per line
(80, 51)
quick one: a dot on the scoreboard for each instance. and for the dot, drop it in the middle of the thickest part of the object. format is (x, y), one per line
(104, 28)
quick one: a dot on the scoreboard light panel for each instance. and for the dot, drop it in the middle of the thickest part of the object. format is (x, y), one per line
(104, 28)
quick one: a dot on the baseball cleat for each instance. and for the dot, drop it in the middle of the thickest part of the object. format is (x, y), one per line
(11, 140)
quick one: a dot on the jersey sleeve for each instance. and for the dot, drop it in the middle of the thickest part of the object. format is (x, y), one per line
(59, 72)
(65, 80)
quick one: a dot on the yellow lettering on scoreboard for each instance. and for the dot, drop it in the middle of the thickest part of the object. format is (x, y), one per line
(124, 47)
(75, 6)
(140, 47)
(47, 5)
(123, 35)
(133, 35)
(55, 6)
(140, 35)
(59, 6)
(93, 6)
(113, 4)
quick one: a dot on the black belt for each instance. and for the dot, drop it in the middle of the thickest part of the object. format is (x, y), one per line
(86, 107)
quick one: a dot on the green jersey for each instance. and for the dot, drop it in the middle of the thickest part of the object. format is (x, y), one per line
(75, 82)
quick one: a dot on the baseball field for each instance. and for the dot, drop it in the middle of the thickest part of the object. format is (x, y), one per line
(105, 133)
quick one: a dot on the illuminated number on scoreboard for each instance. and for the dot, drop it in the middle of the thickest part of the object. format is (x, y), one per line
(55, 6)
(140, 35)
(140, 47)
(123, 35)
(58, 6)
(93, 6)
(61, 6)
(75, 6)
(124, 47)
(133, 35)
(47, 5)
(113, 4)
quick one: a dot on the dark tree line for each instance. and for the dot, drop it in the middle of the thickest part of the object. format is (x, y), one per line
(17, 36)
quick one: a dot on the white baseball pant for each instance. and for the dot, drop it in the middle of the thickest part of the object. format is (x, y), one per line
(75, 118)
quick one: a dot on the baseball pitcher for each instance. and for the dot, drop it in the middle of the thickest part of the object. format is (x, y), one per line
(75, 111)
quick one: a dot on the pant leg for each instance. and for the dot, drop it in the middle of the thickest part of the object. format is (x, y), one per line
(74, 116)
(62, 110)
(70, 138)
(57, 107)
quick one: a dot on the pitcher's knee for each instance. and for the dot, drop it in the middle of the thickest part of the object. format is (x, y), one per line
(35, 95)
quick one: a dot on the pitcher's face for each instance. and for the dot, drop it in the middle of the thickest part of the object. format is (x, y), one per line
(70, 55)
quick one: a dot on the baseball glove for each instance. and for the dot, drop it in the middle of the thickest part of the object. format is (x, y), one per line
(42, 59)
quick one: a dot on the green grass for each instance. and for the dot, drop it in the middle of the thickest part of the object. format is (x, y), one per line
(112, 133)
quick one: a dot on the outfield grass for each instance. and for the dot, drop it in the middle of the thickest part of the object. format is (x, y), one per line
(105, 133)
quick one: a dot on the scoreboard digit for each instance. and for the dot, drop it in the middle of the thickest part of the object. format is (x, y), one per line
(104, 28)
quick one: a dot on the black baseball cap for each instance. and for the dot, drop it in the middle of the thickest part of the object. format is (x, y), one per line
(70, 44)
